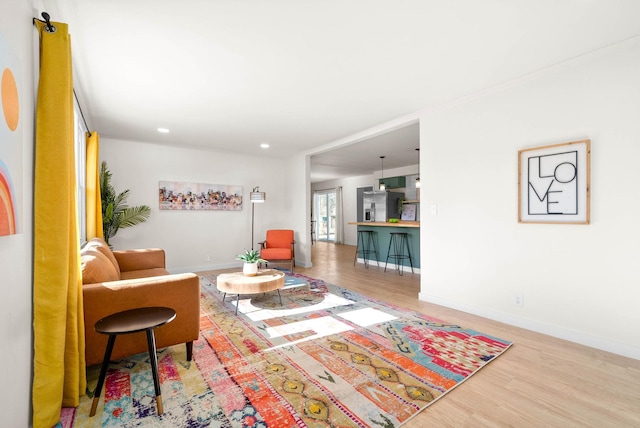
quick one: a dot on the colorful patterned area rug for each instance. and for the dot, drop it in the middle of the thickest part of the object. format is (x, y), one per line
(326, 357)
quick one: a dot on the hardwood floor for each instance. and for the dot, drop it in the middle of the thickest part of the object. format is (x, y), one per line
(540, 381)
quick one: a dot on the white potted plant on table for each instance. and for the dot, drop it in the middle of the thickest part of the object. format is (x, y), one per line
(251, 258)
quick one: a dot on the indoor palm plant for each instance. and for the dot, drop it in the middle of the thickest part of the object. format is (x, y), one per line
(251, 258)
(116, 213)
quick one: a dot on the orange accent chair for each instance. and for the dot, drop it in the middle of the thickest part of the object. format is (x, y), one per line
(279, 247)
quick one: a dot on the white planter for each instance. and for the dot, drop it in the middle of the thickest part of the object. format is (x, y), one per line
(250, 269)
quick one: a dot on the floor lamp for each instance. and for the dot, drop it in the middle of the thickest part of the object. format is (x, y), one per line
(256, 197)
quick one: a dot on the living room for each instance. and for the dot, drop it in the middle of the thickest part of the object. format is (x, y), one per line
(578, 282)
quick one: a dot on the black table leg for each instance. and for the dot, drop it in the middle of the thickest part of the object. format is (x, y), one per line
(153, 358)
(103, 374)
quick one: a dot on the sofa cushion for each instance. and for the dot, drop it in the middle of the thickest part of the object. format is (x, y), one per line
(96, 267)
(143, 273)
(276, 253)
(101, 245)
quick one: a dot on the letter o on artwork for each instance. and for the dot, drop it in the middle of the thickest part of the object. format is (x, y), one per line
(565, 172)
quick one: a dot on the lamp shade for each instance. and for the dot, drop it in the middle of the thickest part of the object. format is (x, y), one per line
(256, 196)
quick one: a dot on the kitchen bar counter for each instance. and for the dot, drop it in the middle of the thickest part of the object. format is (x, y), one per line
(387, 224)
(383, 234)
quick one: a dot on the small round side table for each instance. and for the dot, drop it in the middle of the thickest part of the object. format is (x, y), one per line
(127, 322)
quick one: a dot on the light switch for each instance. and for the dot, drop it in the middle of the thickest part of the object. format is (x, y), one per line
(434, 209)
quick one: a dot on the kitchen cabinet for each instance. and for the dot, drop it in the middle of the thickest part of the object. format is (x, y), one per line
(394, 182)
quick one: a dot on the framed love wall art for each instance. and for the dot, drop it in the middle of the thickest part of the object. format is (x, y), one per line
(554, 182)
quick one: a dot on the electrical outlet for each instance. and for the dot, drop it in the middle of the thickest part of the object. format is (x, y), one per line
(208, 257)
(518, 299)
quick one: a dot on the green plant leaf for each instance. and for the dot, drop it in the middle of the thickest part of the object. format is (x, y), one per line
(250, 256)
(116, 213)
(134, 215)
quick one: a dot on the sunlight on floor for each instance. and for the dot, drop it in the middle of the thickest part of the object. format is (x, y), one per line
(318, 327)
(324, 326)
(367, 316)
(260, 314)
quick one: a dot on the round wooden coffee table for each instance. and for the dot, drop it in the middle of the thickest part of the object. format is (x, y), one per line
(238, 283)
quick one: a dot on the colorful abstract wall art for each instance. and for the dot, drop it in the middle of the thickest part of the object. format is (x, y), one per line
(10, 141)
(200, 196)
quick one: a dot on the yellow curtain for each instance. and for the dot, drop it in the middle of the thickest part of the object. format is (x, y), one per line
(94, 199)
(58, 325)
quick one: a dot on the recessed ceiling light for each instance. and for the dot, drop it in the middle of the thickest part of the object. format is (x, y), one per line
(264, 145)
(163, 130)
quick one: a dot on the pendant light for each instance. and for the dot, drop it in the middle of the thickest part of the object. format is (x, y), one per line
(382, 185)
(418, 178)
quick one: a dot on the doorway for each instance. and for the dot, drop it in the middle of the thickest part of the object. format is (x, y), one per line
(325, 215)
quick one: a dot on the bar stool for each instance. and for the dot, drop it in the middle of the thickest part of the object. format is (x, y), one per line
(399, 241)
(365, 245)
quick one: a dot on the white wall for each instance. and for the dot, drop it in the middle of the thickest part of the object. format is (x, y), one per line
(296, 214)
(16, 250)
(189, 236)
(579, 282)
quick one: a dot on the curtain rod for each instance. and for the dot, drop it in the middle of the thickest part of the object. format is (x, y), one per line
(52, 29)
(81, 112)
(47, 20)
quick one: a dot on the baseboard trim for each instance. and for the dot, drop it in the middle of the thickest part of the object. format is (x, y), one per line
(603, 344)
(390, 266)
(203, 268)
(219, 266)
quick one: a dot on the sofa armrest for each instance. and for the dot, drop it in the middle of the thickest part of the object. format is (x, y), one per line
(148, 258)
(179, 291)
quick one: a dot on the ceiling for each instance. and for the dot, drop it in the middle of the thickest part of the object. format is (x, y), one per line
(362, 158)
(306, 75)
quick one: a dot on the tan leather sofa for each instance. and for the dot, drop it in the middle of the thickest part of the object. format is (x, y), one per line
(115, 281)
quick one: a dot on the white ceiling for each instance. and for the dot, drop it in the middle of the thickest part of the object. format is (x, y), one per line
(305, 74)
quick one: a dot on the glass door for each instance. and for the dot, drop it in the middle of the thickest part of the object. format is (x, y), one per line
(325, 210)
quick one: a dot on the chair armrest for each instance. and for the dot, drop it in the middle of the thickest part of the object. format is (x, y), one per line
(263, 244)
(148, 258)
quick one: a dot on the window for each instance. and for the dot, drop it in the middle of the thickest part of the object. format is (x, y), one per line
(80, 130)
(325, 209)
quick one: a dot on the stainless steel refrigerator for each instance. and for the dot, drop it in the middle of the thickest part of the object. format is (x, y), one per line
(381, 205)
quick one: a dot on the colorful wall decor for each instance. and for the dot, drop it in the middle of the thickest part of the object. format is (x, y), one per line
(10, 141)
(200, 196)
